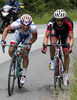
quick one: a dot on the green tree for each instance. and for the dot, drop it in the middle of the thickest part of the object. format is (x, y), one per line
(35, 6)
(74, 3)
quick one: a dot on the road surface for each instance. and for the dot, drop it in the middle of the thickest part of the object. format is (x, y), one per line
(39, 83)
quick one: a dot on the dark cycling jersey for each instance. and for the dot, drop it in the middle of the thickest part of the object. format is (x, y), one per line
(63, 31)
(66, 27)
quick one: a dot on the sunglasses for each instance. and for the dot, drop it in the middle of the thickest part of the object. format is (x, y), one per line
(23, 26)
(60, 20)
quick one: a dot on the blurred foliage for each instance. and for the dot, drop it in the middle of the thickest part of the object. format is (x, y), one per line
(41, 7)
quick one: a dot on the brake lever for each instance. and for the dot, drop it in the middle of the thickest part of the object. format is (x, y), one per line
(43, 46)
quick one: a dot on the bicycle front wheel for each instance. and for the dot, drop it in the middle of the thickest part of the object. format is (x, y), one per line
(56, 72)
(19, 78)
(11, 77)
(61, 70)
(60, 79)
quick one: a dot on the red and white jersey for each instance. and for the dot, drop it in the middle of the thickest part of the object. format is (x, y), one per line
(17, 25)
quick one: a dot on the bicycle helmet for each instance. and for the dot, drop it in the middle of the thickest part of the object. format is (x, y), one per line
(26, 19)
(60, 13)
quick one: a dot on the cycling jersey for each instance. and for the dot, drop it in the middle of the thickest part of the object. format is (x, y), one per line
(63, 31)
(20, 34)
(67, 26)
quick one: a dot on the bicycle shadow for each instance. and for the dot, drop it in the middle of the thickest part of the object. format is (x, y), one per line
(20, 91)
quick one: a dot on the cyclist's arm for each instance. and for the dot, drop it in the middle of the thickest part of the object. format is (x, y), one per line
(45, 40)
(5, 32)
(34, 38)
(71, 39)
(49, 27)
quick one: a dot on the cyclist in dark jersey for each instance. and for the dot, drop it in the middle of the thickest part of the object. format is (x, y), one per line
(61, 25)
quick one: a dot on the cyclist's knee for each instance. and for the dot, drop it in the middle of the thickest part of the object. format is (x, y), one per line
(10, 51)
(53, 40)
(66, 54)
(25, 56)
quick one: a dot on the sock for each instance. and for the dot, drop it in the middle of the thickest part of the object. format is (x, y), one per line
(52, 58)
(24, 72)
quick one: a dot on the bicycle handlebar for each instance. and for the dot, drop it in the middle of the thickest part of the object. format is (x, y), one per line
(15, 46)
(56, 45)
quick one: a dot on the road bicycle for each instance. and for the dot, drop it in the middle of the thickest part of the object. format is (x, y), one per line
(59, 65)
(15, 69)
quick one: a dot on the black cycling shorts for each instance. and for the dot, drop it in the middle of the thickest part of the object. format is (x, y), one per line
(64, 36)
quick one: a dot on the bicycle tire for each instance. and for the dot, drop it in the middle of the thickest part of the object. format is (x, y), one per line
(55, 72)
(11, 77)
(60, 82)
(61, 69)
(19, 78)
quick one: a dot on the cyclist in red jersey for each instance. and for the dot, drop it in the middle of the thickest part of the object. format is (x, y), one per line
(61, 25)
(26, 30)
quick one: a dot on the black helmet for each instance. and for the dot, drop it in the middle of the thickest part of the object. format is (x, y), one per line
(12, 1)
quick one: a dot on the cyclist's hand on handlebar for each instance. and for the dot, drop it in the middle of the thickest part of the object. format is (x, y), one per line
(3, 43)
(44, 49)
(27, 46)
(70, 50)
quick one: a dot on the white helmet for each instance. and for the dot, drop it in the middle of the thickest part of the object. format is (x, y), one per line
(26, 19)
(60, 13)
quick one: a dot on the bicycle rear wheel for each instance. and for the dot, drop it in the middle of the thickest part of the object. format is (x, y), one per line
(11, 77)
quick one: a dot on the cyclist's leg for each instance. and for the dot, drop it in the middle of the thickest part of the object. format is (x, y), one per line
(10, 51)
(64, 40)
(66, 59)
(25, 61)
(15, 40)
(53, 40)
(25, 56)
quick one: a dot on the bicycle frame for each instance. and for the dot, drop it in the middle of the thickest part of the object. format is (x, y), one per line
(15, 70)
(58, 72)
(58, 55)
(18, 54)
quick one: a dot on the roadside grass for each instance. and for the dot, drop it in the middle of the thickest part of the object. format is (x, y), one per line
(44, 18)
(72, 14)
(73, 88)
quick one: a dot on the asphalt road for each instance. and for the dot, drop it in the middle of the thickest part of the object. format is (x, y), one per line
(39, 83)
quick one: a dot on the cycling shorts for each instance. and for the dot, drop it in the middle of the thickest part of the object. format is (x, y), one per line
(64, 36)
(18, 37)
